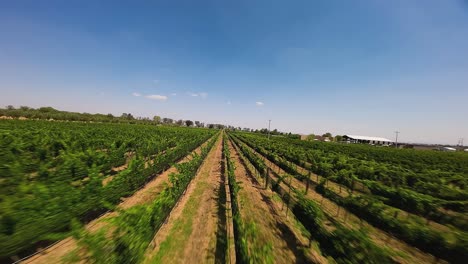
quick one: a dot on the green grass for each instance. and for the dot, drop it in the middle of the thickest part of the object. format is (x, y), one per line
(182, 227)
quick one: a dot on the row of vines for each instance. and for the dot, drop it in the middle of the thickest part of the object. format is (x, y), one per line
(334, 240)
(379, 205)
(127, 237)
(245, 232)
(53, 172)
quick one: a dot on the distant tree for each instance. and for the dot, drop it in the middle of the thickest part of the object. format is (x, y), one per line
(47, 109)
(25, 108)
(211, 125)
(127, 116)
(310, 137)
(10, 107)
(328, 135)
(110, 115)
(197, 123)
(180, 122)
(166, 120)
(338, 138)
(157, 119)
(189, 123)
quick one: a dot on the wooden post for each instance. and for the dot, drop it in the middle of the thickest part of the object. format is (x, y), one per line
(266, 178)
(289, 196)
(307, 184)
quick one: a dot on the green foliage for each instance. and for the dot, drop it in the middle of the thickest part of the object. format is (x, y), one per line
(344, 245)
(53, 172)
(393, 183)
(134, 228)
(415, 233)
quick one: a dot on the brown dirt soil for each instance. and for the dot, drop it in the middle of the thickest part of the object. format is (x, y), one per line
(255, 204)
(201, 199)
(147, 194)
(378, 236)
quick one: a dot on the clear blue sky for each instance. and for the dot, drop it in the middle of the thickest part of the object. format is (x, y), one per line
(347, 67)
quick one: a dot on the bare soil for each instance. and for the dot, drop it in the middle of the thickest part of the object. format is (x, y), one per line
(189, 236)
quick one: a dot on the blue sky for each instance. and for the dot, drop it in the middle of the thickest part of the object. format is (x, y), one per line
(347, 67)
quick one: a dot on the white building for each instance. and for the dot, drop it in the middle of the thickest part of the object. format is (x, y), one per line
(367, 140)
(448, 149)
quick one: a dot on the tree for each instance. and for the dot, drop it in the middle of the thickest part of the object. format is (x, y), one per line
(189, 123)
(338, 138)
(127, 116)
(167, 120)
(328, 135)
(47, 109)
(25, 108)
(157, 119)
(180, 122)
(310, 137)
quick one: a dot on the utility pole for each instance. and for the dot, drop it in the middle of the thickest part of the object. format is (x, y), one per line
(396, 138)
(269, 122)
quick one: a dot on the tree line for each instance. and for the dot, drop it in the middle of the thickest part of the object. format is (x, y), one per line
(50, 113)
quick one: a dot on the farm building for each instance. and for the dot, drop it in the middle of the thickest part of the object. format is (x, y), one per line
(367, 140)
(448, 149)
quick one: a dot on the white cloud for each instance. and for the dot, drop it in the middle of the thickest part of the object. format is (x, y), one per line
(202, 95)
(157, 97)
(136, 94)
(259, 103)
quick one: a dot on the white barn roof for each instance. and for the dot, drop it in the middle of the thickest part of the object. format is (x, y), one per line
(369, 138)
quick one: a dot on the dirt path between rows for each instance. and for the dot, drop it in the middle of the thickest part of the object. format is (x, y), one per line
(148, 193)
(190, 234)
(409, 253)
(256, 205)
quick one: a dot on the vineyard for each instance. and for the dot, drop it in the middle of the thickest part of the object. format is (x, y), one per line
(139, 193)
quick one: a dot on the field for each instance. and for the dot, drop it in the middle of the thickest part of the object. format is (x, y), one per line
(140, 193)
